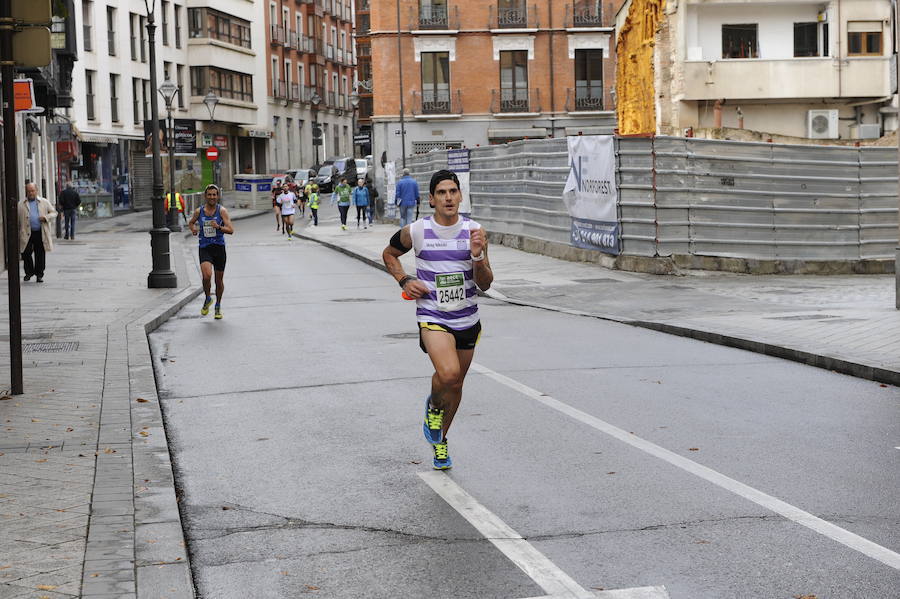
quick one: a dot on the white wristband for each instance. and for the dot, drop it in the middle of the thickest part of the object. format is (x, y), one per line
(478, 258)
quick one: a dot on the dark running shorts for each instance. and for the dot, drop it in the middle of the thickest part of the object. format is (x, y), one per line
(214, 253)
(465, 339)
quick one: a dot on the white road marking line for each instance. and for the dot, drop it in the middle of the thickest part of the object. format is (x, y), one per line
(795, 514)
(535, 564)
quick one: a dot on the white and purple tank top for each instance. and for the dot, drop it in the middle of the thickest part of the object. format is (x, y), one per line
(444, 265)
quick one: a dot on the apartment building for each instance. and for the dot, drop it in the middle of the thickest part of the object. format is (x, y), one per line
(802, 68)
(111, 84)
(467, 73)
(310, 74)
(364, 88)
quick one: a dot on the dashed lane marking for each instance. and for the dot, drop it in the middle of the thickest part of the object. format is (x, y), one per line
(795, 514)
(523, 554)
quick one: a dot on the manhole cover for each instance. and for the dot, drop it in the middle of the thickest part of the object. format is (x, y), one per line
(596, 281)
(50, 346)
(403, 336)
(804, 317)
(354, 299)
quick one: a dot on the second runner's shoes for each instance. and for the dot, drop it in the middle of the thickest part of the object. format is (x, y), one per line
(433, 427)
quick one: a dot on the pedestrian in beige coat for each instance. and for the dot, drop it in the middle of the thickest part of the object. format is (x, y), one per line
(35, 216)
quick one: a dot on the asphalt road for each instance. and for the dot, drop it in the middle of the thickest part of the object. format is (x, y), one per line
(621, 458)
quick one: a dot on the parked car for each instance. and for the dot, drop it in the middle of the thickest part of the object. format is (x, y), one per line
(325, 178)
(300, 175)
(362, 170)
(346, 167)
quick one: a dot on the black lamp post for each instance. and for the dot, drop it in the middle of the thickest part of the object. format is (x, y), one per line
(162, 275)
(317, 135)
(354, 102)
(211, 100)
(169, 90)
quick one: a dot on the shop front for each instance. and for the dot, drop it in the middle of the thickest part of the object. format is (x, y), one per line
(98, 170)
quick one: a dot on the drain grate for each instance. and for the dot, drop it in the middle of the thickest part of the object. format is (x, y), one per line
(354, 299)
(402, 336)
(50, 346)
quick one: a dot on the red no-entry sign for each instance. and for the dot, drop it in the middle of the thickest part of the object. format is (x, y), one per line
(212, 153)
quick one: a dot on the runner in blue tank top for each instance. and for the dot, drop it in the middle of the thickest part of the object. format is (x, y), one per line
(214, 224)
(451, 260)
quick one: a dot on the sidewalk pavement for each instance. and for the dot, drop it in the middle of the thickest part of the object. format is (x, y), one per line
(842, 323)
(87, 495)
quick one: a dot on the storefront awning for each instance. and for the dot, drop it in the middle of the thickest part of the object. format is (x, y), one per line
(247, 131)
(103, 138)
(529, 132)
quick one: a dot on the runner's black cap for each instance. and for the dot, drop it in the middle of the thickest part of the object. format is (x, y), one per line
(442, 175)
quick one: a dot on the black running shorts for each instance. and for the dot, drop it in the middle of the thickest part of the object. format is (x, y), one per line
(215, 254)
(465, 339)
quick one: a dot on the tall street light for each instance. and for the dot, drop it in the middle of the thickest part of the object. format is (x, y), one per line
(316, 133)
(211, 100)
(354, 102)
(162, 275)
(169, 90)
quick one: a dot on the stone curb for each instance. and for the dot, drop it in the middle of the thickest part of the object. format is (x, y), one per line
(863, 371)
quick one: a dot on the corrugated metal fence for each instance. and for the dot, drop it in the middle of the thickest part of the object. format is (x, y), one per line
(683, 196)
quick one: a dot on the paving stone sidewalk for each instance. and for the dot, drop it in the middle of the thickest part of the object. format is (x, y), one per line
(87, 497)
(844, 323)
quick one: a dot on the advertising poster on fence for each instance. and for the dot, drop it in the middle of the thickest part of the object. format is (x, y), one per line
(185, 138)
(590, 193)
(390, 191)
(458, 162)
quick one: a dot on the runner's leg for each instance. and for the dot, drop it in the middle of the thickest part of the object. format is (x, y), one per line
(220, 285)
(465, 360)
(447, 380)
(206, 269)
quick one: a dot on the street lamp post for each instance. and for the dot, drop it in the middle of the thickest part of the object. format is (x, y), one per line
(317, 135)
(211, 100)
(162, 275)
(169, 90)
(354, 101)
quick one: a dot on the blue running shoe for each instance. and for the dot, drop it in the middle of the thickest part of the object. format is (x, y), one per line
(433, 427)
(442, 459)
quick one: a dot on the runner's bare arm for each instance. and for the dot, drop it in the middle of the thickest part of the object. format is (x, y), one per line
(226, 226)
(391, 257)
(192, 223)
(483, 274)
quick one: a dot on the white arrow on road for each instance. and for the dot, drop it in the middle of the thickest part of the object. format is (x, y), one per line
(523, 554)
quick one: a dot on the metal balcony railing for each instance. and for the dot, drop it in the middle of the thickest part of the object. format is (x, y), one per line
(279, 89)
(277, 34)
(507, 15)
(441, 101)
(294, 92)
(584, 14)
(584, 98)
(434, 17)
(512, 100)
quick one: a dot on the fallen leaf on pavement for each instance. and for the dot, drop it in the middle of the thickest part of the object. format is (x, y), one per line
(312, 588)
(142, 400)
(95, 575)
(5, 397)
(46, 587)
(143, 433)
(610, 472)
(109, 450)
(693, 449)
(882, 385)
(804, 597)
(41, 461)
(283, 573)
(701, 542)
(415, 461)
(69, 429)
(35, 420)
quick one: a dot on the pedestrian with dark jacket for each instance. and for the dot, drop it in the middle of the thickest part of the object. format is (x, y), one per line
(361, 201)
(69, 200)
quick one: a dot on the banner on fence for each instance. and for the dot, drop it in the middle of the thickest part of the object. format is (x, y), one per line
(458, 162)
(390, 184)
(590, 194)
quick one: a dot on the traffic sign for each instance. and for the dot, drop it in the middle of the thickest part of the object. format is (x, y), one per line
(212, 153)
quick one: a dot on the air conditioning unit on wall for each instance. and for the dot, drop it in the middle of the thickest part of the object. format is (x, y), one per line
(822, 124)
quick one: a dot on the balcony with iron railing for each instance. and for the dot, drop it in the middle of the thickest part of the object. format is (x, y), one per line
(505, 15)
(516, 101)
(587, 98)
(294, 92)
(437, 102)
(329, 51)
(279, 89)
(276, 33)
(583, 14)
(434, 17)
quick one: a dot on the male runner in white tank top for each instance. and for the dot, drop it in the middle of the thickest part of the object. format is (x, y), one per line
(451, 260)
